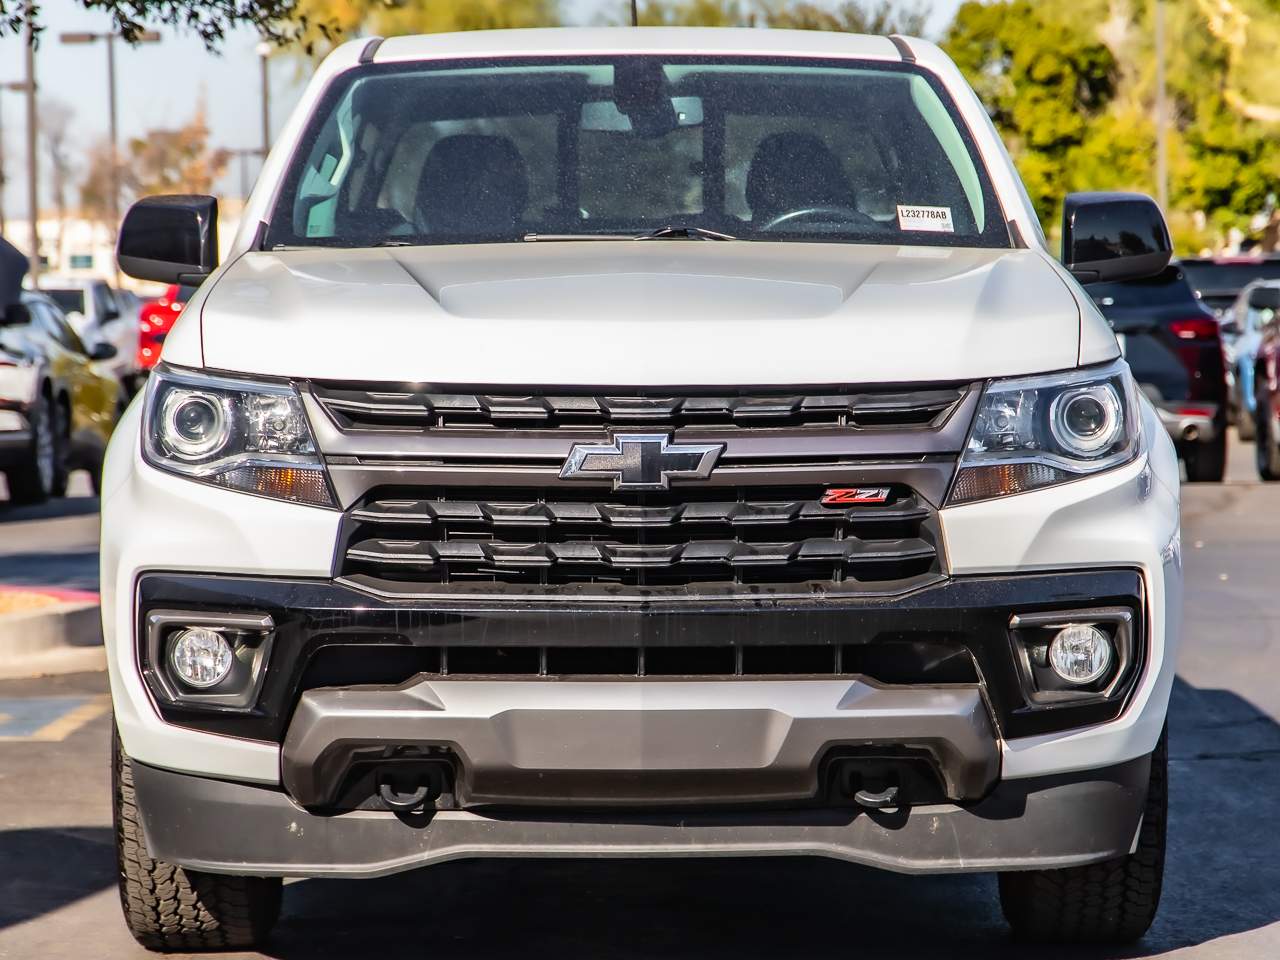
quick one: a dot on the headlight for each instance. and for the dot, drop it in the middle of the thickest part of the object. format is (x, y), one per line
(1034, 432)
(241, 434)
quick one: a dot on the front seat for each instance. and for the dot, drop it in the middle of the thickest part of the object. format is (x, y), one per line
(473, 184)
(795, 171)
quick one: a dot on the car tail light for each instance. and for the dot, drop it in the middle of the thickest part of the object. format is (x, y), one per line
(1195, 328)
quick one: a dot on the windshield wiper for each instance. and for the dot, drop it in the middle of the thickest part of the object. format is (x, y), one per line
(663, 233)
(685, 233)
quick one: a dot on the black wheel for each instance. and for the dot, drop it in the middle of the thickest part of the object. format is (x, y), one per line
(1245, 424)
(33, 478)
(1267, 451)
(62, 451)
(1207, 461)
(1112, 902)
(168, 908)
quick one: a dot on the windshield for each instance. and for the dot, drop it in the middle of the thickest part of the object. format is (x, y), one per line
(1166, 288)
(71, 301)
(1221, 277)
(778, 149)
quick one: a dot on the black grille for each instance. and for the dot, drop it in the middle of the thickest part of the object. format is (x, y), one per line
(727, 536)
(916, 661)
(405, 410)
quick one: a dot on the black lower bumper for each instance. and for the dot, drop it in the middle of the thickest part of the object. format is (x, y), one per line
(1058, 821)
(330, 634)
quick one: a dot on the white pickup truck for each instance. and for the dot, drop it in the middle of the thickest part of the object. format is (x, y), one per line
(640, 443)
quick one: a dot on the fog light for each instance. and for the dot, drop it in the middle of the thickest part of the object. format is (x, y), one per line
(201, 657)
(1080, 653)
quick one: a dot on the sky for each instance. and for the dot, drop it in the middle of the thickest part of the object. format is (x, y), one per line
(159, 85)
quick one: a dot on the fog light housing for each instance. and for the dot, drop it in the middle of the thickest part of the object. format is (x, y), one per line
(206, 660)
(201, 657)
(1080, 653)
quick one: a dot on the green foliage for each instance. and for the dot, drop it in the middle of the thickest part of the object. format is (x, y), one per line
(1075, 102)
(851, 16)
(278, 20)
(1045, 80)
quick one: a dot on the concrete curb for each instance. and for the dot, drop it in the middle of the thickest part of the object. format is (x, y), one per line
(62, 638)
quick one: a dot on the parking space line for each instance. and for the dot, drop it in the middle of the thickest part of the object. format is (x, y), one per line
(48, 719)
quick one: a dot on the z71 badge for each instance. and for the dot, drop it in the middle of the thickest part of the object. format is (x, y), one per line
(843, 496)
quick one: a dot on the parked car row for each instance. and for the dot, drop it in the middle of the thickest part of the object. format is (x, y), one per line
(71, 357)
(59, 400)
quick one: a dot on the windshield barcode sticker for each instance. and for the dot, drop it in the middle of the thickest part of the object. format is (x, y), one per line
(931, 219)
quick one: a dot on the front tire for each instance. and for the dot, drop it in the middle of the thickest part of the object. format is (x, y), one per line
(169, 908)
(1113, 902)
(34, 478)
(1207, 462)
(1267, 451)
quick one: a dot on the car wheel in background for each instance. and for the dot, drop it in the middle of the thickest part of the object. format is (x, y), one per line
(169, 908)
(1207, 462)
(62, 450)
(1110, 902)
(1268, 454)
(33, 478)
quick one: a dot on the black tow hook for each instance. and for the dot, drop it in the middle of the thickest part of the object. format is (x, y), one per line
(405, 797)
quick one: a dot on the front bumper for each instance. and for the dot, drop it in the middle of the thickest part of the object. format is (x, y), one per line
(1053, 821)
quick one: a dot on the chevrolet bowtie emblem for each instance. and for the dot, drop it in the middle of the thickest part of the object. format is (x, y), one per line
(641, 461)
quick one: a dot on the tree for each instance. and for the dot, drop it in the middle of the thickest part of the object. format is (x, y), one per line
(851, 16)
(1044, 79)
(56, 118)
(278, 20)
(174, 161)
(160, 161)
(324, 22)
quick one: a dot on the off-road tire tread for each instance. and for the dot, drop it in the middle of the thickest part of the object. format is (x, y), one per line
(168, 908)
(1113, 902)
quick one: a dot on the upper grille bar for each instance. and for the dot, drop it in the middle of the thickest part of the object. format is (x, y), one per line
(387, 409)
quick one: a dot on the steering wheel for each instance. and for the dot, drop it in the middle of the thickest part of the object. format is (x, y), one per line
(828, 212)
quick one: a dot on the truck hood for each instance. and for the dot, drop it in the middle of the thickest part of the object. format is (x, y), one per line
(625, 313)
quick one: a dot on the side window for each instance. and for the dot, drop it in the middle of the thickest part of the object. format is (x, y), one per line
(315, 212)
(105, 302)
(55, 325)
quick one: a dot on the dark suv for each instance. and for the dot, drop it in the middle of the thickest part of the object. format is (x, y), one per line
(1174, 346)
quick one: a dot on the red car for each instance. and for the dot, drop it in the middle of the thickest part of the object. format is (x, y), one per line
(156, 320)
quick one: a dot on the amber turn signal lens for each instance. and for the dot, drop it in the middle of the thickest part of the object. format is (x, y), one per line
(298, 484)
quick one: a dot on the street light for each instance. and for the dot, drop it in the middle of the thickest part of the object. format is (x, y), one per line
(243, 154)
(12, 86)
(146, 36)
(264, 52)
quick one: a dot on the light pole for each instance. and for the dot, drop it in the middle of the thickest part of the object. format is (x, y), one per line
(264, 53)
(243, 154)
(33, 167)
(12, 86)
(147, 36)
(1162, 115)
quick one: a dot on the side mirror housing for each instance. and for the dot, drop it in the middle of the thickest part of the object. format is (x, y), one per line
(102, 351)
(171, 239)
(1107, 237)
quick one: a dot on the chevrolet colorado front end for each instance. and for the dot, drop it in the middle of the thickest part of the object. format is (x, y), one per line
(623, 443)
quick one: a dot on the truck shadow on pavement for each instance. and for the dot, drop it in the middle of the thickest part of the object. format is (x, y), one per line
(43, 869)
(1223, 878)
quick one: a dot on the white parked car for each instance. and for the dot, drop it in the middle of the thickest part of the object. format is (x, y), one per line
(640, 443)
(99, 314)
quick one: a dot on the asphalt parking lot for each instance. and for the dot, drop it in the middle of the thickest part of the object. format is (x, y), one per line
(1222, 893)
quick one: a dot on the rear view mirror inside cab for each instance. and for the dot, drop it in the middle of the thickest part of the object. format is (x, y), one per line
(603, 116)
